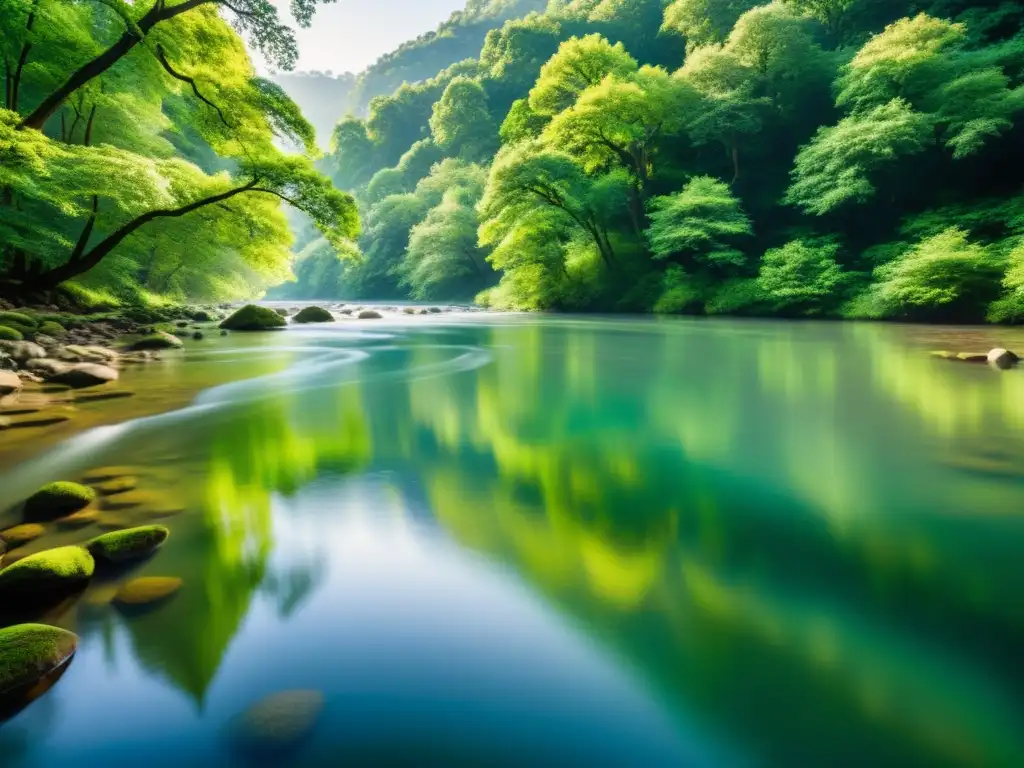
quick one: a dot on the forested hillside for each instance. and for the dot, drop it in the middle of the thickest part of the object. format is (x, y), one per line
(318, 95)
(803, 157)
(139, 150)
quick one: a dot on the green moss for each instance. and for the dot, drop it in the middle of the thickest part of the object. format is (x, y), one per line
(10, 334)
(157, 340)
(131, 544)
(18, 319)
(313, 315)
(28, 652)
(253, 318)
(53, 570)
(58, 500)
(50, 328)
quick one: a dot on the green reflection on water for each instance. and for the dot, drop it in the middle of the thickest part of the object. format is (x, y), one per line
(807, 535)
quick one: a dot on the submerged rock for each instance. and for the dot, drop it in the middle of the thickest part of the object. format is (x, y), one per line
(53, 571)
(147, 590)
(1002, 358)
(20, 535)
(29, 652)
(81, 519)
(253, 318)
(131, 544)
(103, 474)
(156, 340)
(369, 314)
(116, 485)
(278, 722)
(58, 500)
(313, 315)
(128, 500)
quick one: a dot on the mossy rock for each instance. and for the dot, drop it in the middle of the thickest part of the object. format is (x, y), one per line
(369, 314)
(156, 340)
(20, 535)
(278, 722)
(147, 590)
(18, 319)
(29, 652)
(50, 328)
(131, 544)
(58, 499)
(7, 333)
(253, 318)
(51, 571)
(313, 315)
(202, 316)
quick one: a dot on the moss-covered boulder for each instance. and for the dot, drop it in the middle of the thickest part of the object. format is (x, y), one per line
(50, 572)
(156, 340)
(147, 590)
(50, 328)
(253, 318)
(10, 334)
(29, 652)
(313, 315)
(369, 314)
(278, 722)
(58, 499)
(131, 544)
(20, 535)
(18, 319)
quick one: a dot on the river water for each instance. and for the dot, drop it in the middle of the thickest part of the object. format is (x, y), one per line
(505, 540)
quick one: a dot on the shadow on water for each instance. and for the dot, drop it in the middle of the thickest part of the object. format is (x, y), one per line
(751, 543)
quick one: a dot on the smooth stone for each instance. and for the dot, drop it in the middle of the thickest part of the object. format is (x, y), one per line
(147, 590)
(313, 315)
(76, 353)
(128, 500)
(369, 314)
(29, 652)
(1002, 358)
(47, 367)
(85, 375)
(102, 474)
(9, 383)
(78, 519)
(20, 535)
(278, 722)
(116, 485)
(155, 340)
(253, 318)
(22, 351)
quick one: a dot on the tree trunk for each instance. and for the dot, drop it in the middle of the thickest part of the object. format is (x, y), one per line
(74, 267)
(734, 152)
(12, 100)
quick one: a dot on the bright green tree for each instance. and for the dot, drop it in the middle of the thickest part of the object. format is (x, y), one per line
(802, 278)
(580, 63)
(461, 123)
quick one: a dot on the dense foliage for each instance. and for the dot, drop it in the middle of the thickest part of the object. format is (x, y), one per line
(800, 157)
(139, 151)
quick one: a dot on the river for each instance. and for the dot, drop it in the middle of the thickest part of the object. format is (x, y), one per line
(513, 539)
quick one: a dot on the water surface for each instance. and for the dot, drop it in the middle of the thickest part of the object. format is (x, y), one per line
(514, 539)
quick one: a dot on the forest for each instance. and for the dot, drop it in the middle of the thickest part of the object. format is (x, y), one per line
(802, 158)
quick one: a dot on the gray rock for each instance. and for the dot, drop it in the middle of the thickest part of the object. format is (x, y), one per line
(1002, 358)
(47, 367)
(22, 351)
(9, 383)
(85, 375)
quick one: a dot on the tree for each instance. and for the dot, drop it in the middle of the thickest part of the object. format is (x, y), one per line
(522, 123)
(527, 175)
(699, 224)
(802, 278)
(836, 166)
(461, 124)
(579, 64)
(352, 155)
(704, 22)
(944, 277)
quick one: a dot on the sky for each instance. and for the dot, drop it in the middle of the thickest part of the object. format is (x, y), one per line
(349, 35)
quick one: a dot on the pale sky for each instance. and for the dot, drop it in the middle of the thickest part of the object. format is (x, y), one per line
(349, 35)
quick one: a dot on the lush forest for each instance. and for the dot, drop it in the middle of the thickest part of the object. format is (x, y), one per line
(141, 157)
(851, 158)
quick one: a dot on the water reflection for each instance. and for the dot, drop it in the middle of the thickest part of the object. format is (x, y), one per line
(804, 538)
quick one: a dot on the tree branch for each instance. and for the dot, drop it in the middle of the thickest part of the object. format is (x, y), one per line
(162, 58)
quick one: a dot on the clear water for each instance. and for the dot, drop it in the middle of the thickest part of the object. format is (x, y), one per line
(512, 540)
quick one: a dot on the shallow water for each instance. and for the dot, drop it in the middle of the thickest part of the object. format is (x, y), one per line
(508, 539)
